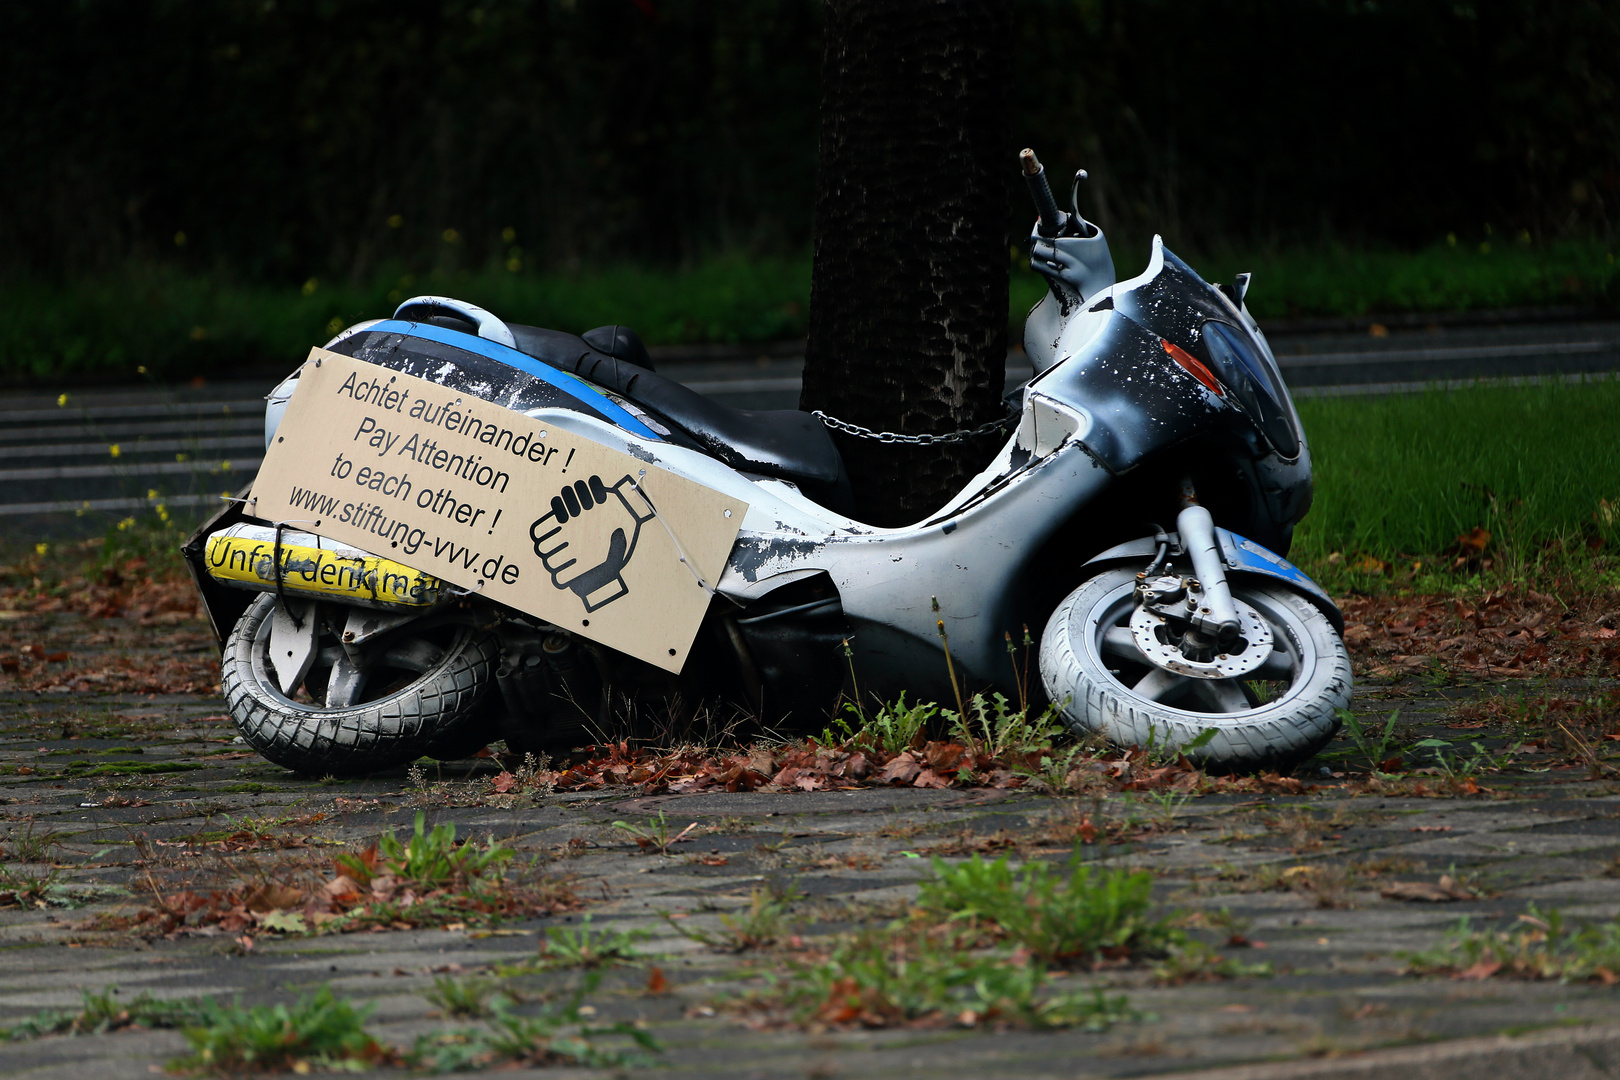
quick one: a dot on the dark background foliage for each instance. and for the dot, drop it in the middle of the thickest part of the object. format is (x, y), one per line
(281, 137)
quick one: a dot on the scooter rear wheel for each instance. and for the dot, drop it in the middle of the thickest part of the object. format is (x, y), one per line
(419, 692)
(1274, 717)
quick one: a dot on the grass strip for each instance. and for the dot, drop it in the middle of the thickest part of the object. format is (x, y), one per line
(154, 320)
(1408, 477)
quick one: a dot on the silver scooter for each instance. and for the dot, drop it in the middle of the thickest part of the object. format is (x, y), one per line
(1155, 402)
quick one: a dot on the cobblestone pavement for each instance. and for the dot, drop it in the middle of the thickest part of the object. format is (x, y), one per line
(122, 796)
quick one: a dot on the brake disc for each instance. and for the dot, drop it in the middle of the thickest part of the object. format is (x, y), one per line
(1153, 636)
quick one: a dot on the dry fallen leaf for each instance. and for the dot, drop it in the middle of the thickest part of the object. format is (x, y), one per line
(1442, 892)
(1482, 970)
(1474, 541)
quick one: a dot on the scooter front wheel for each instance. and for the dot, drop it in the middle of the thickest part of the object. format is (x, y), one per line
(1274, 716)
(415, 692)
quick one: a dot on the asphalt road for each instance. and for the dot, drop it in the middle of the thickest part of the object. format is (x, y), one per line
(72, 462)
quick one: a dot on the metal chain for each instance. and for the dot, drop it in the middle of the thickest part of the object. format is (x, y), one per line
(911, 440)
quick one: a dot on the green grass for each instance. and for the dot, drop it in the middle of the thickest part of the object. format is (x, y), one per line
(1401, 477)
(174, 324)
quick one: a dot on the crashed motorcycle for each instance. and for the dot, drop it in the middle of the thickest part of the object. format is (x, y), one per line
(1137, 515)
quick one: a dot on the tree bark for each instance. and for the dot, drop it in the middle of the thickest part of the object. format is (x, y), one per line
(908, 298)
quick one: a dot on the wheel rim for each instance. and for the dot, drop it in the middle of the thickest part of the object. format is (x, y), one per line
(388, 668)
(1283, 675)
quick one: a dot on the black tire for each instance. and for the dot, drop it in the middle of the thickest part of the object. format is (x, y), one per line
(1287, 714)
(421, 689)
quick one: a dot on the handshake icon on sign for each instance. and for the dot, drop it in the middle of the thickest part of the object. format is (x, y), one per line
(579, 550)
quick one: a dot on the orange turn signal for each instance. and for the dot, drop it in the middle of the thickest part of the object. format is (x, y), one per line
(1190, 363)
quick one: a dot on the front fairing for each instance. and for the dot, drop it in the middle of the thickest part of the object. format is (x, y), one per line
(1182, 308)
(1113, 364)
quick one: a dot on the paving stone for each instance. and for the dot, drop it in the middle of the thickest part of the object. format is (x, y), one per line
(856, 858)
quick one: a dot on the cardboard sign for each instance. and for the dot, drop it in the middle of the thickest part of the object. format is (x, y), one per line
(537, 518)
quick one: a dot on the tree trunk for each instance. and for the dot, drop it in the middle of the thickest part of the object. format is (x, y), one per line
(908, 298)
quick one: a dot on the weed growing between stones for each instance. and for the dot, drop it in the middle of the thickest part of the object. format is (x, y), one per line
(426, 879)
(558, 1034)
(103, 1012)
(891, 730)
(1326, 885)
(318, 1031)
(470, 998)
(1091, 915)
(982, 947)
(654, 835)
(25, 845)
(585, 947)
(991, 727)
(1539, 945)
(1374, 744)
(1191, 960)
(428, 860)
(20, 888)
(765, 922)
(904, 976)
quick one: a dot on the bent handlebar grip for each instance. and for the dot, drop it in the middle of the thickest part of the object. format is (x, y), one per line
(1052, 219)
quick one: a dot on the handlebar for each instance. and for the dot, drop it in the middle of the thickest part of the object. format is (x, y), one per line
(1052, 219)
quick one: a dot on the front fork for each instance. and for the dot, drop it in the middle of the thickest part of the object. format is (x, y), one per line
(1215, 614)
(1192, 625)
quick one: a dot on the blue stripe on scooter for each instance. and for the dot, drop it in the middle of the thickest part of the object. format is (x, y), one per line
(1244, 554)
(572, 385)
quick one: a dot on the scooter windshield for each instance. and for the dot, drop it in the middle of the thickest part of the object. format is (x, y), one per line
(1184, 309)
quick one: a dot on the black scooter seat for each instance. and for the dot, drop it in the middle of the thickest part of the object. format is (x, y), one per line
(781, 443)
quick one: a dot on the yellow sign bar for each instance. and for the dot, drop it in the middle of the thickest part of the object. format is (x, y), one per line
(245, 554)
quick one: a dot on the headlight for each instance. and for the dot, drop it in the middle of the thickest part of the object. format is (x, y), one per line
(1239, 366)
